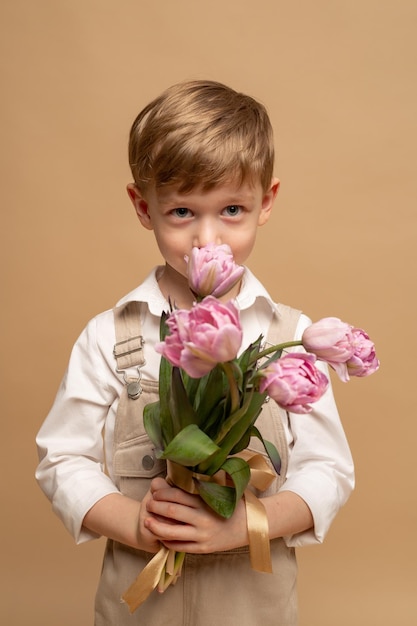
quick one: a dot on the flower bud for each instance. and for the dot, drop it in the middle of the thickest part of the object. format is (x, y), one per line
(212, 270)
(331, 340)
(294, 382)
(207, 334)
(363, 362)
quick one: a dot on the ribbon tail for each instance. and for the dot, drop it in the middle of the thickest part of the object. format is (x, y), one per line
(258, 531)
(172, 570)
(147, 580)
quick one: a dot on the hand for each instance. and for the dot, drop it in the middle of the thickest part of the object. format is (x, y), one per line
(183, 522)
(146, 539)
(122, 519)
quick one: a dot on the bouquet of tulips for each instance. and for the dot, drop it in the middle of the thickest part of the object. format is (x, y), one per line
(210, 397)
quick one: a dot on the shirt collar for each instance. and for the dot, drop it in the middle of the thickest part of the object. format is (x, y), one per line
(149, 292)
(251, 291)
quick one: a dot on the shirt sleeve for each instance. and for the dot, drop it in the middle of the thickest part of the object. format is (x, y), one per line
(320, 468)
(71, 469)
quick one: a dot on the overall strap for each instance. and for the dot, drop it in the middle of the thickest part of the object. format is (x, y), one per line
(283, 325)
(128, 349)
(272, 419)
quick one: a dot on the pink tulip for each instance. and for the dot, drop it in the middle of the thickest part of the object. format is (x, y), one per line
(364, 361)
(294, 382)
(208, 334)
(212, 270)
(331, 340)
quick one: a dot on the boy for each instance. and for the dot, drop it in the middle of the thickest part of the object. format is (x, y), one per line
(202, 161)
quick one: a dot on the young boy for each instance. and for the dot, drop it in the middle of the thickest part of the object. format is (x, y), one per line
(202, 161)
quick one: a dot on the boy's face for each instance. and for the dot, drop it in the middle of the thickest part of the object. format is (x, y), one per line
(228, 214)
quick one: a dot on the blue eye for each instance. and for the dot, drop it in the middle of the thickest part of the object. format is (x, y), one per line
(233, 209)
(182, 212)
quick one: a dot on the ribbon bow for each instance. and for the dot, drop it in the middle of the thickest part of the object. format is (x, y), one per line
(166, 564)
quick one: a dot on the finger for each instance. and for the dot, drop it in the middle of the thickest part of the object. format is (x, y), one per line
(158, 483)
(167, 532)
(168, 510)
(174, 494)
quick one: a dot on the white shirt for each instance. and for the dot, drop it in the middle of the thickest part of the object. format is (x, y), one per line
(70, 442)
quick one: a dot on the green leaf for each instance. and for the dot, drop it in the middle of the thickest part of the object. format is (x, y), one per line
(165, 418)
(246, 418)
(248, 358)
(238, 372)
(182, 412)
(220, 498)
(239, 472)
(243, 418)
(192, 386)
(214, 420)
(270, 449)
(234, 379)
(242, 444)
(189, 447)
(165, 373)
(210, 393)
(152, 424)
(207, 397)
(276, 355)
(234, 419)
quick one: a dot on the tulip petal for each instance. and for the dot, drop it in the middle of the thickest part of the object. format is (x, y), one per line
(212, 270)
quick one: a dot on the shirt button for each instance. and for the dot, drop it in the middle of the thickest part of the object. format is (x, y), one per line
(148, 462)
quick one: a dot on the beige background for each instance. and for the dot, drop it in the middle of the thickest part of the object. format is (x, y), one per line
(339, 80)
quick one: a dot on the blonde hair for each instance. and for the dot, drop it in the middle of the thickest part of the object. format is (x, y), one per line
(201, 134)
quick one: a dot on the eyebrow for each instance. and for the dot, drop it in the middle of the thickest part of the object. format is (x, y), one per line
(184, 200)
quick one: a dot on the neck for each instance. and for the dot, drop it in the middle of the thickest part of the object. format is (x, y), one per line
(175, 288)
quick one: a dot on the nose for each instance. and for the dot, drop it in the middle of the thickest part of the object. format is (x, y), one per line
(207, 231)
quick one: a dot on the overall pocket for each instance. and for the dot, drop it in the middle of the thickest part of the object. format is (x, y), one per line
(135, 465)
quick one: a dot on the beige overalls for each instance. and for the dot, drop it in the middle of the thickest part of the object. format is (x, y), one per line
(218, 588)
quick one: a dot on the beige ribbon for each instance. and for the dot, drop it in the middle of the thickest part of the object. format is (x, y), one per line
(261, 476)
(258, 533)
(147, 580)
(256, 519)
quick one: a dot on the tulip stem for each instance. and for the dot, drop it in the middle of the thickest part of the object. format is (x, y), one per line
(234, 391)
(280, 347)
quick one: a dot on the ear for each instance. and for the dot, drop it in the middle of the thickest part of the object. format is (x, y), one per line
(140, 204)
(268, 201)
